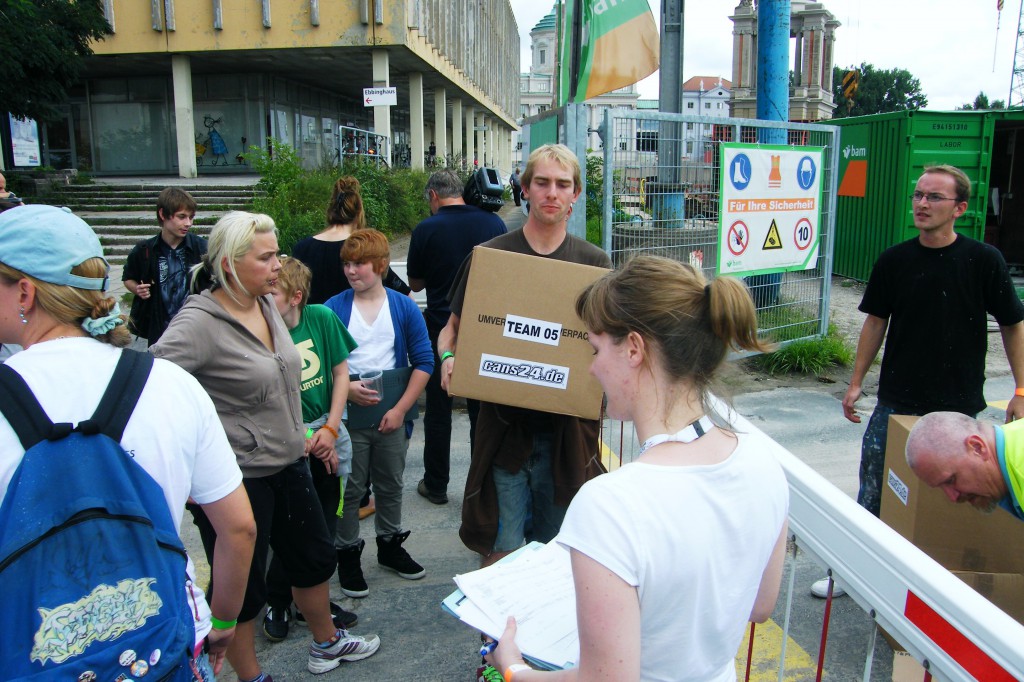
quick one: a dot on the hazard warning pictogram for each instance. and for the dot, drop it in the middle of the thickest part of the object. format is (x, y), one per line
(738, 238)
(772, 241)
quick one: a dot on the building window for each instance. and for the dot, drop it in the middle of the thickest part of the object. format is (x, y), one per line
(689, 126)
(543, 55)
(542, 108)
(524, 85)
(689, 105)
(689, 147)
(707, 105)
(646, 141)
(719, 105)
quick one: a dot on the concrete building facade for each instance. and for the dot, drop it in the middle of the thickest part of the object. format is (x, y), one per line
(187, 86)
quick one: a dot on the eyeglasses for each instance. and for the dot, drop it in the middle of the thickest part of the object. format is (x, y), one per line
(932, 198)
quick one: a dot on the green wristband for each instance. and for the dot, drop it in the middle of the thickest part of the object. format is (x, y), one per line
(219, 624)
(445, 355)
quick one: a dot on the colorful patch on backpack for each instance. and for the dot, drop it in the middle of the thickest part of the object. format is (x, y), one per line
(104, 614)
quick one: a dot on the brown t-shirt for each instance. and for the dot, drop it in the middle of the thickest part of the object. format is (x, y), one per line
(572, 250)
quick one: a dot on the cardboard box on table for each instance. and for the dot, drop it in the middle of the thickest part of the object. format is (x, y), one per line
(986, 551)
(520, 341)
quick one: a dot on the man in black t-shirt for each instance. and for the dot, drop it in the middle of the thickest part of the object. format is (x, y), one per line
(439, 245)
(932, 294)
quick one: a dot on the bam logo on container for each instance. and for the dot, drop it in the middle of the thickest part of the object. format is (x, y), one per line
(899, 487)
(524, 371)
(528, 329)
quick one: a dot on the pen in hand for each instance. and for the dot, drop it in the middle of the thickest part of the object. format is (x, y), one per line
(488, 648)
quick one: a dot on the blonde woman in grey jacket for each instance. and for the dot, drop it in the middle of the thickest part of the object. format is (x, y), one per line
(233, 340)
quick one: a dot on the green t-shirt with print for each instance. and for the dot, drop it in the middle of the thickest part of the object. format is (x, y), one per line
(323, 342)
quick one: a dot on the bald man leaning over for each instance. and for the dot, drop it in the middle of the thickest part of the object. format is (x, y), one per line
(973, 462)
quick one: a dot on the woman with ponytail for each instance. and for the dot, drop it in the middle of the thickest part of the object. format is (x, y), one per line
(676, 551)
(322, 252)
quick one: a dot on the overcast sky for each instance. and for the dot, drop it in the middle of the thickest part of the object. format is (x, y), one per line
(951, 46)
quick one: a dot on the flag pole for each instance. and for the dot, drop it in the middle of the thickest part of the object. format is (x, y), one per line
(576, 45)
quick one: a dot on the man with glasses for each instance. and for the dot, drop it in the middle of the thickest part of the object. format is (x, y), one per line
(929, 299)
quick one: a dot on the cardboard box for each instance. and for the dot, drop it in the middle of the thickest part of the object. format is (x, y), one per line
(984, 550)
(520, 341)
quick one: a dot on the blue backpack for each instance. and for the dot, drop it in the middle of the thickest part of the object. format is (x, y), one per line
(92, 568)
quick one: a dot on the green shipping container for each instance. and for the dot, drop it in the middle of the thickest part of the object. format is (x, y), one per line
(882, 156)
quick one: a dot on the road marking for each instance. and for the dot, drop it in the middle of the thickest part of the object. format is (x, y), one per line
(767, 650)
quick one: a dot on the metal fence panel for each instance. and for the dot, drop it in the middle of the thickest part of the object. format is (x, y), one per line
(650, 157)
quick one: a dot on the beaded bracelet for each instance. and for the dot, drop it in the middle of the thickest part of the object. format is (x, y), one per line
(330, 430)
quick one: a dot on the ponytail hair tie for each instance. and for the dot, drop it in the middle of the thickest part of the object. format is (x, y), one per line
(707, 289)
(97, 326)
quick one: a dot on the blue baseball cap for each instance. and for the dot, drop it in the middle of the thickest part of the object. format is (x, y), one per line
(46, 242)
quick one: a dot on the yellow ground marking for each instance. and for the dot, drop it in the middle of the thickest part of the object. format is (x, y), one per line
(767, 650)
(609, 458)
(999, 404)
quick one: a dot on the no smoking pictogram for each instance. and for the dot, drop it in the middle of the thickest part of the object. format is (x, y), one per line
(803, 233)
(738, 238)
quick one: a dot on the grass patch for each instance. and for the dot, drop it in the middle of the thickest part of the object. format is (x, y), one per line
(808, 356)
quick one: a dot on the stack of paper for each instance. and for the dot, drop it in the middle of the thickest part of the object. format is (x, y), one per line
(535, 585)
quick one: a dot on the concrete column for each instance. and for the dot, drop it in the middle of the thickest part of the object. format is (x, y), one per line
(457, 129)
(441, 122)
(470, 124)
(382, 114)
(481, 150)
(492, 148)
(184, 116)
(416, 120)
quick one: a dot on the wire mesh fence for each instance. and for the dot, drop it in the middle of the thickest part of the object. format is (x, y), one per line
(660, 193)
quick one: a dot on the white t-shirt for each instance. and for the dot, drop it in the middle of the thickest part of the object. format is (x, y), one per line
(376, 349)
(694, 540)
(174, 432)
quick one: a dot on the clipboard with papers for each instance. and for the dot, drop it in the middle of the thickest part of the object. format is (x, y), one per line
(535, 585)
(369, 416)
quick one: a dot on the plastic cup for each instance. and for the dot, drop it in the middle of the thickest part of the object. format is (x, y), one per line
(374, 380)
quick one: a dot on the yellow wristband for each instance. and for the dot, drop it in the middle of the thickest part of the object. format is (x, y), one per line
(513, 669)
(331, 431)
(1019, 392)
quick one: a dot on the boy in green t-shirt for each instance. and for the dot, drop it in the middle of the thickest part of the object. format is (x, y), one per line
(324, 345)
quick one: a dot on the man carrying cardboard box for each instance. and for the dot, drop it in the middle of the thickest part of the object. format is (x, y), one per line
(971, 461)
(929, 298)
(525, 457)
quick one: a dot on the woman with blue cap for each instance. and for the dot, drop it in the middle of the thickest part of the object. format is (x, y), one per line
(52, 281)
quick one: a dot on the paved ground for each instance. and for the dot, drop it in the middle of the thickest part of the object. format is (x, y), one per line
(419, 641)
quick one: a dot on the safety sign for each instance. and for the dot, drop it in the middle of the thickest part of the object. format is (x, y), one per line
(770, 213)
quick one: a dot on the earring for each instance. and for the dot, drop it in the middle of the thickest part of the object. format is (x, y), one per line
(21, 314)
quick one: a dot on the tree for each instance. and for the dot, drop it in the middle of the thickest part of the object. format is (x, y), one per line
(880, 91)
(981, 103)
(42, 45)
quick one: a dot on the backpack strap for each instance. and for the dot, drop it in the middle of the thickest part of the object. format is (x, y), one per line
(23, 411)
(122, 394)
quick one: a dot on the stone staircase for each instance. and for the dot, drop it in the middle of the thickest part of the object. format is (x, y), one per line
(122, 214)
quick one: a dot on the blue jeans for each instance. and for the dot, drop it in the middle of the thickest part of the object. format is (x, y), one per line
(531, 489)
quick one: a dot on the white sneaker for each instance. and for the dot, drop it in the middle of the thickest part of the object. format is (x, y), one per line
(820, 589)
(346, 648)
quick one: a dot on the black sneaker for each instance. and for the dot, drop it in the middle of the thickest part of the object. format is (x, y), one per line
(422, 489)
(392, 556)
(342, 619)
(275, 624)
(350, 572)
